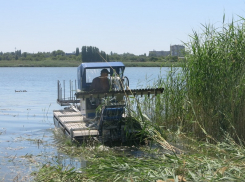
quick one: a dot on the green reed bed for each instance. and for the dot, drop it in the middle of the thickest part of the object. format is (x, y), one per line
(215, 80)
(206, 95)
(167, 109)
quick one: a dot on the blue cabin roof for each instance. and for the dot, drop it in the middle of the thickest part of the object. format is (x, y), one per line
(102, 65)
(81, 71)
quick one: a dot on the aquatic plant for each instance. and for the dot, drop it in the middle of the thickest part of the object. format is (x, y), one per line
(57, 173)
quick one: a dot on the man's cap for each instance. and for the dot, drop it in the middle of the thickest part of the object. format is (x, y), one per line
(104, 71)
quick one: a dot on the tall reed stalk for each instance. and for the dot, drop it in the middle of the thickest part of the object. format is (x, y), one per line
(214, 73)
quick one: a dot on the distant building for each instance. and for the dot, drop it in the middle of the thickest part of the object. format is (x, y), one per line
(159, 53)
(177, 50)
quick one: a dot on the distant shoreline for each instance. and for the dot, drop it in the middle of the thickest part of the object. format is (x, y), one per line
(71, 63)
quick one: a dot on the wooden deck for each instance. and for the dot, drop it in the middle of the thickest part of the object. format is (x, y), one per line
(74, 123)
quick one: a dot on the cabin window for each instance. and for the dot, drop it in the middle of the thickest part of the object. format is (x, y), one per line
(93, 73)
(120, 72)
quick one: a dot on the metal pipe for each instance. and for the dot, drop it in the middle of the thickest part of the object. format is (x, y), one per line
(64, 88)
(70, 89)
(75, 89)
(72, 98)
(58, 89)
(76, 85)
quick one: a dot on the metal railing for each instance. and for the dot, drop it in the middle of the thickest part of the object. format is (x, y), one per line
(64, 100)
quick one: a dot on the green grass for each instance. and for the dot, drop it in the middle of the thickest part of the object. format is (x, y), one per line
(44, 63)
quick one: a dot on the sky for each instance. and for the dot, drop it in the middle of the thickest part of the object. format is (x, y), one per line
(118, 26)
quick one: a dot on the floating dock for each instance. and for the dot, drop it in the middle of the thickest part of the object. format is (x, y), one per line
(74, 124)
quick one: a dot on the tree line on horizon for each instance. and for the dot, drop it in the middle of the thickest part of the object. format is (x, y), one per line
(93, 54)
(87, 54)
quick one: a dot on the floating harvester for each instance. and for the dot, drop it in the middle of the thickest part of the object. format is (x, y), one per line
(100, 114)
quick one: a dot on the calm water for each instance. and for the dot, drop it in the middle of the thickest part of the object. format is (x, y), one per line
(26, 118)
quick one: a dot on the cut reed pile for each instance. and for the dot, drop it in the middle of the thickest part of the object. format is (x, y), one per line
(205, 161)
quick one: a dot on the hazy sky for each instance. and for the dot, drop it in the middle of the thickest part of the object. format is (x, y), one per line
(134, 26)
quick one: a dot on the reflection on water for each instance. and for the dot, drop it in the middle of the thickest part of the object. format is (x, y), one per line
(27, 136)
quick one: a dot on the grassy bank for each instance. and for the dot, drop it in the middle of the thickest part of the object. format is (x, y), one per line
(44, 63)
(72, 63)
(152, 64)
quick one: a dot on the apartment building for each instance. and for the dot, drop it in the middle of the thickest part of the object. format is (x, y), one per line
(175, 50)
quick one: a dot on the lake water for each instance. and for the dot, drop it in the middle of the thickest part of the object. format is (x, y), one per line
(26, 118)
